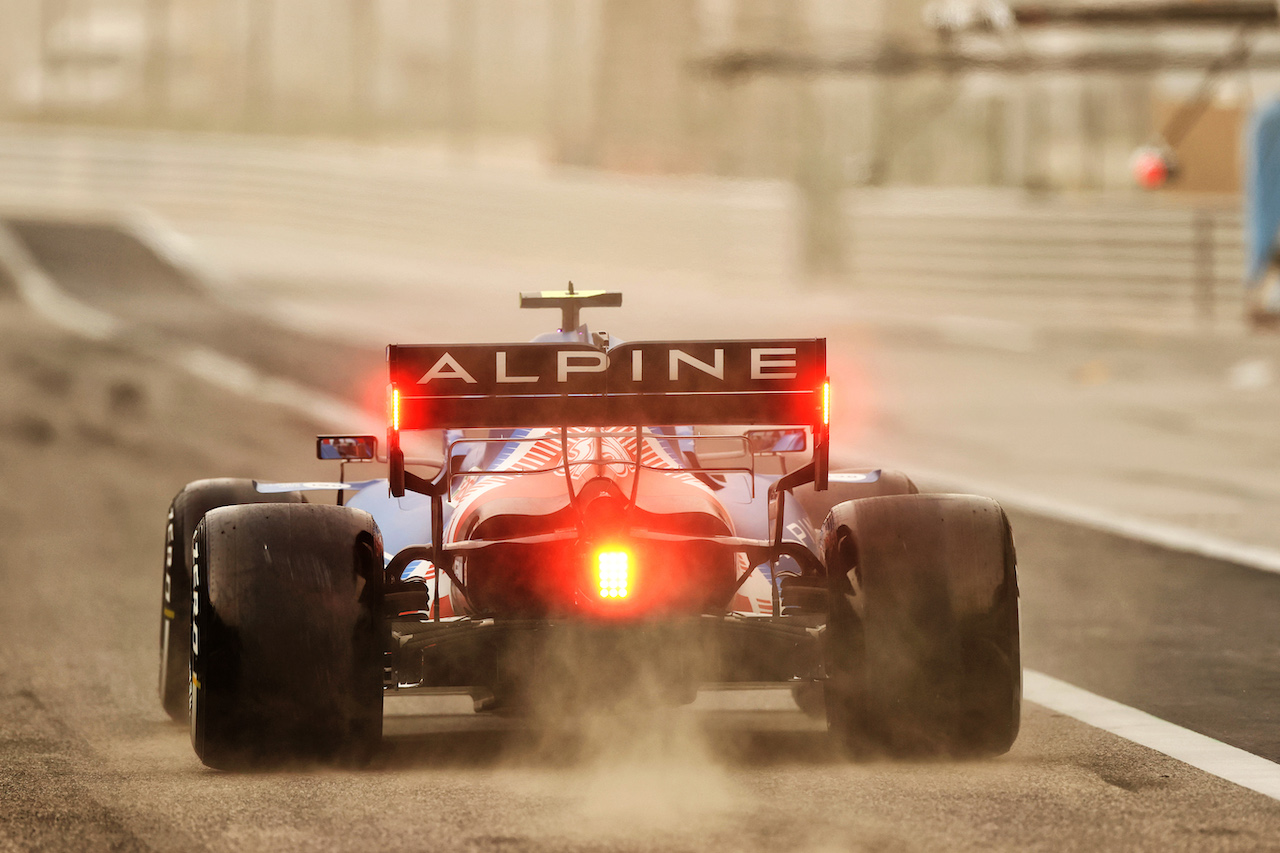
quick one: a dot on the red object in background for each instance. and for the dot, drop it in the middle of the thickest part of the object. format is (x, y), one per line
(1152, 167)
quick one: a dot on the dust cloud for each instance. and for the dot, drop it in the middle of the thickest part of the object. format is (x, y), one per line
(610, 732)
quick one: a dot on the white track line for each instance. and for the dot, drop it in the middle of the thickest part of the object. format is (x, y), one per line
(43, 296)
(1159, 533)
(172, 246)
(240, 378)
(46, 298)
(1200, 751)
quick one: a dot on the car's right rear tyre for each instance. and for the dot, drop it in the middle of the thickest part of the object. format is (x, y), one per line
(923, 655)
(288, 636)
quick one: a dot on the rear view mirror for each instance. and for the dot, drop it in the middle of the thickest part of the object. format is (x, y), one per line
(762, 441)
(347, 448)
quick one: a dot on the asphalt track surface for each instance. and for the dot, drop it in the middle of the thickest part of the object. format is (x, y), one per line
(98, 437)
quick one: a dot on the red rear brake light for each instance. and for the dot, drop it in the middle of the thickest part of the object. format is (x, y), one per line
(613, 571)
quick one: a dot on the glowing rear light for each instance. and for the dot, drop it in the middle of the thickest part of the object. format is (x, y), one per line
(613, 570)
(395, 409)
(826, 403)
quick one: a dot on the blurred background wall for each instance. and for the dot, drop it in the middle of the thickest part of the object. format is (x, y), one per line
(796, 89)
(851, 103)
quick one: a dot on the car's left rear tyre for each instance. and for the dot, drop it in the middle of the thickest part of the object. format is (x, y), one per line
(185, 512)
(288, 636)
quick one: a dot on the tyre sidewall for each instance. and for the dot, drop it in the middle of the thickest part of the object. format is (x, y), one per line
(934, 621)
(185, 511)
(287, 637)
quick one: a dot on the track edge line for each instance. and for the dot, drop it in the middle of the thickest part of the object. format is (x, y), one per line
(1202, 752)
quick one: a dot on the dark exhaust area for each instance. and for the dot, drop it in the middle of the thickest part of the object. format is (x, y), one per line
(572, 670)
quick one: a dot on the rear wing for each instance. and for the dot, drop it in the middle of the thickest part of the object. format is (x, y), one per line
(781, 382)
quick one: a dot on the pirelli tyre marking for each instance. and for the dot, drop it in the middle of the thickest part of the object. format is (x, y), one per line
(195, 611)
(168, 579)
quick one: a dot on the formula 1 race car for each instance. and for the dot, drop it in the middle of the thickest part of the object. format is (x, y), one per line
(562, 516)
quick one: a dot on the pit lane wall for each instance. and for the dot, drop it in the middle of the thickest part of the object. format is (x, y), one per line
(1183, 255)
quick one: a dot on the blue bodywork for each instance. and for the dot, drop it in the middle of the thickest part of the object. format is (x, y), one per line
(407, 521)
